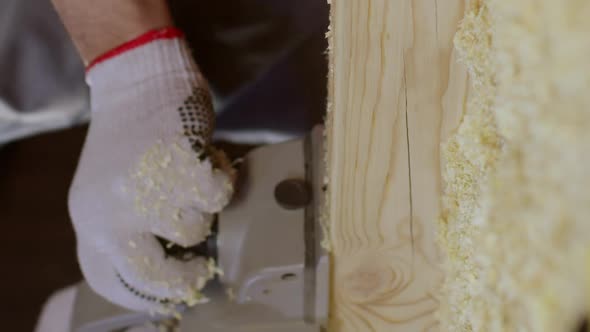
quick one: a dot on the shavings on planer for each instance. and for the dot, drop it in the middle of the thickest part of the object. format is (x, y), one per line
(167, 310)
(195, 297)
(164, 190)
(213, 268)
(201, 282)
(168, 184)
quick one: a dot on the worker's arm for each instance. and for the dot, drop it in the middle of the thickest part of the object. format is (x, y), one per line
(147, 167)
(98, 26)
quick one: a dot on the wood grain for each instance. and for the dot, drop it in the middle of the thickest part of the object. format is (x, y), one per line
(395, 93)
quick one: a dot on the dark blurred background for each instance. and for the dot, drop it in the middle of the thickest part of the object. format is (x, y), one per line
(265, 62)
(39, 245)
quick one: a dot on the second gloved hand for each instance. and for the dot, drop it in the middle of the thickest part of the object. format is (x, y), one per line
(147, 169)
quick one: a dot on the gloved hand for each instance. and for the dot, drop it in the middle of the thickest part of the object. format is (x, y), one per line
(147, 168)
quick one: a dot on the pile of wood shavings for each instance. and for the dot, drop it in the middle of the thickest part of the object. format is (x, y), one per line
(167, 183)
(194, 296)
(170, 180)
(468, 157)
(515, 227)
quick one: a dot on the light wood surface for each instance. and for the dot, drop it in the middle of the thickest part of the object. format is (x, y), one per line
(396, 92)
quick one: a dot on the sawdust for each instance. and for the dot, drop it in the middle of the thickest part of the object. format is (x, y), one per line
(326, 242)
(468, 158)
(173, 191)
(516, 203)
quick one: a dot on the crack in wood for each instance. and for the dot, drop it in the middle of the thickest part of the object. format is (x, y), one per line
(409, 161)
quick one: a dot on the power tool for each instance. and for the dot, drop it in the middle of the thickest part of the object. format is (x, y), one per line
(267, 242)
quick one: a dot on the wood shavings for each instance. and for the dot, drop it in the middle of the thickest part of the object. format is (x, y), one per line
(164, 191)
(213, 268)
(516, 206)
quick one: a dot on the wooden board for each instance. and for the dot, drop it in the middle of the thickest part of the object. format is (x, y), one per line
(396, 92)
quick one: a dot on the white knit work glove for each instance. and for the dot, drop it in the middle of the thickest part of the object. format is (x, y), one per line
(147, 169)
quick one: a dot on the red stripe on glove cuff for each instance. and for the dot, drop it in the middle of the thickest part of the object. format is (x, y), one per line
(150, 36)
